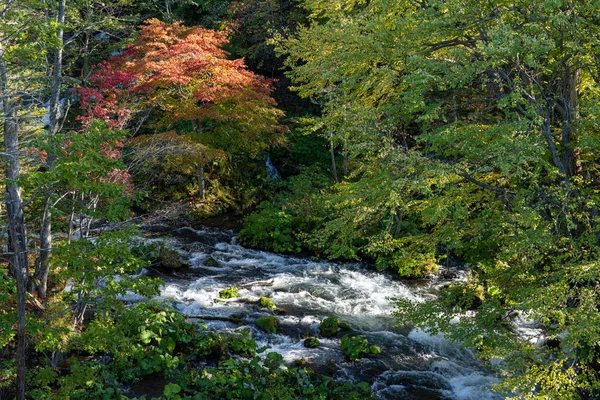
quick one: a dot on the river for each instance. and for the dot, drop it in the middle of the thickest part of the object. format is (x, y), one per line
(412, 364)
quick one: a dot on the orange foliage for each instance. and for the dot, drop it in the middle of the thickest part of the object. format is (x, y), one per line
(185, 73)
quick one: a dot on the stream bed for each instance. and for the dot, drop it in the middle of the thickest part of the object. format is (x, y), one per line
(412, 363)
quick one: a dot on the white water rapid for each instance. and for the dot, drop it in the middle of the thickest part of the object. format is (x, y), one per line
(412, 364)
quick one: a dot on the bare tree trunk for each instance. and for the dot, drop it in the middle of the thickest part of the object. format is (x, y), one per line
(72, 220)
(16, 223)
(345, 159)
(43, 267)
(168, 10)
(201, 186)
(333, 166)
(570, 113)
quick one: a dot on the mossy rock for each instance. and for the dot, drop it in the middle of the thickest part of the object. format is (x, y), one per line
(167, 258)
(210, 262)
(331, 325)
(266, 302)
(229, 293)
(355, 347)
(268, 324)
(343, 326)
(312, 343)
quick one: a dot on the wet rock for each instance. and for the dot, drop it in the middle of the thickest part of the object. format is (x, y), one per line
(280, 311)
(169, 259)
(312, 343)
(447, 274)
(210, 262)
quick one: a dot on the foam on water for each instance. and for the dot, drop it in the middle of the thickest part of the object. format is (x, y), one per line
(412, 363)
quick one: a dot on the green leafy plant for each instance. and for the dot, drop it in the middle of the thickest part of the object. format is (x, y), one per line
(270, 228)
(331, 325)
(355, 347)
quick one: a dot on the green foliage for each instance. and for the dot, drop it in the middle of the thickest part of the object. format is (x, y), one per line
(355, 347)
(7, 315)
(266, 302)
(331, 325)
(108, 258)
(142, 340)
(462, 296)
(270, 229)
(468, 132)
(87, 164)
(268, 323)
(242, 379)
(229, 293)
(276, 224)
(152, 339)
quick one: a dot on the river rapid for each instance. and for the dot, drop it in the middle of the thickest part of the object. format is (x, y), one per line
(412, 364)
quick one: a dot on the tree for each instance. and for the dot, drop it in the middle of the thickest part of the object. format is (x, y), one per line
(184, 77)
(498, 102)
(18, 48)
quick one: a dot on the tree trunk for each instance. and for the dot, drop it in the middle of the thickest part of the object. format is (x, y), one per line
(201, 187)
(345, 159)
(333, 166)
(16, 223)
(570, 154)
(41, 273)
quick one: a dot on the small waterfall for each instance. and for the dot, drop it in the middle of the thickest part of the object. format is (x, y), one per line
(272, 172)
(412, 365)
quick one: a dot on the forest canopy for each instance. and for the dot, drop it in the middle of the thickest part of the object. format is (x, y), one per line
(413, 135)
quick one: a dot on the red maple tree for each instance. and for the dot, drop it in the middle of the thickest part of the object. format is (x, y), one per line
(186, 75)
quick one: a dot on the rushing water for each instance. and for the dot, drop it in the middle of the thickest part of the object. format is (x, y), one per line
(412, 364)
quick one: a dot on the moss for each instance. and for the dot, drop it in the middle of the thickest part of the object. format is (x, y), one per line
(266, 303)
(312, 343)
(210, 262)
(342, 325)
(331, 325)
(229, 293)
(268, 324)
